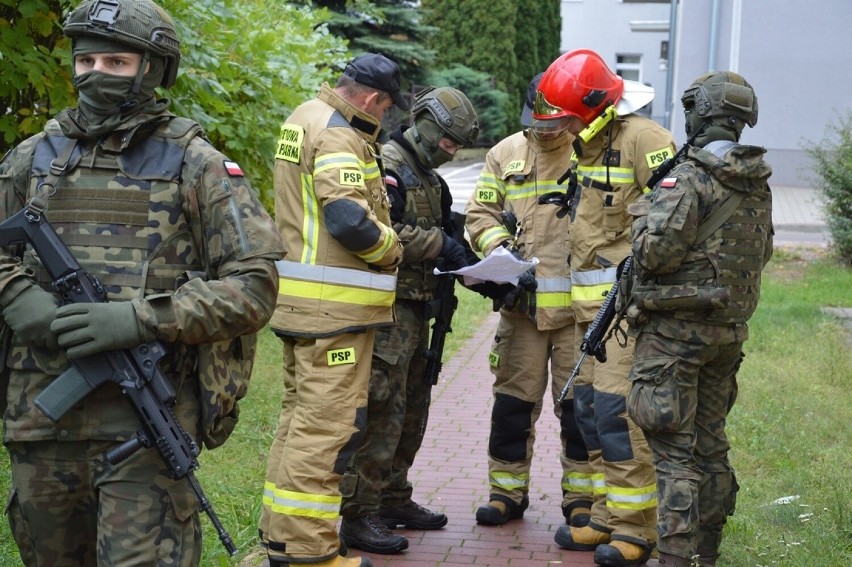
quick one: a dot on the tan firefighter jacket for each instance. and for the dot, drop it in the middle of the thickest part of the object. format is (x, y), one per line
(517, 172)
(339, 270)
(612, 171)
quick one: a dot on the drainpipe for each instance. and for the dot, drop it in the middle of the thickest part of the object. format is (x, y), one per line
(736, 29)
(714, 36)
(667, 117)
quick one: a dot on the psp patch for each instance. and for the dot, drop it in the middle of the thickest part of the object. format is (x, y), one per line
(340, 356)
(233, 169)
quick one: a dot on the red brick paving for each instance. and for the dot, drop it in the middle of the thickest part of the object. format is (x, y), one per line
(451, 475)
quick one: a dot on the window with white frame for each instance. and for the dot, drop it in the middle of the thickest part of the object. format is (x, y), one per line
(629, 66)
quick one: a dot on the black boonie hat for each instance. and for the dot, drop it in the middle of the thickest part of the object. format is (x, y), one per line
(377, 71)
(529, 99)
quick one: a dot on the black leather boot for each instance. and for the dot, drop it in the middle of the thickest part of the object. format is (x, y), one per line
(412, 516)
(370, 534)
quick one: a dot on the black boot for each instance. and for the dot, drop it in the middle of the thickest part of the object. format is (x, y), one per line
(500, 510)
(412, 516)
(370, 534)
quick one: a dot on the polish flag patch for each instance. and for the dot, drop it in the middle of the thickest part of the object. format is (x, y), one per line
(391, 181)
(233, 169)
(668, 182)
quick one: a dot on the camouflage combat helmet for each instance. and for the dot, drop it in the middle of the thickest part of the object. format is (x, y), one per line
(721, 103)
(451, 110)
(142, 25)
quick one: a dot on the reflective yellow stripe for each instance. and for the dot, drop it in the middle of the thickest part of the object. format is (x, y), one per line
(616, 174)
(641, 498)
(577, 482)
(310, 222)
(592, 285)
(532, 189)
(557, 299)
(492, 236)
(509, 481)
(379, 253)
(338, 293)
(598, 483)
(590, 293)
(292, 503)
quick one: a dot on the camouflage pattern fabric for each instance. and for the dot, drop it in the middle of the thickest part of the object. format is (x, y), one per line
(167, 222)
(688, 352)
(681, 396)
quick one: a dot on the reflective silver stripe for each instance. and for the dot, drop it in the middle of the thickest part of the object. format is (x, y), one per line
(553, 285)
(594, 277)
(332, 275)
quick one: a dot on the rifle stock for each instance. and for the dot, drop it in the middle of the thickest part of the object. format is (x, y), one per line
(135, 370)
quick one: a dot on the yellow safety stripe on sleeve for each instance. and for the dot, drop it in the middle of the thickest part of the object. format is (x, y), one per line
(508, 481)
(310, 221)
(599, 173)
(343, 160)
(532, 189)
(488, 188)
(379, 253)
(492, 236)
(642, 498)
(292, 503)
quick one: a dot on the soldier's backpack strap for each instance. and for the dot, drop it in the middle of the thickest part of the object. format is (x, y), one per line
(718, 217)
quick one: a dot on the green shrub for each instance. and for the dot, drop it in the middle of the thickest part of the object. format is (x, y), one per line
(833, 167)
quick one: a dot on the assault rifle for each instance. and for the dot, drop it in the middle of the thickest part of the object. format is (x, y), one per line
(594, 341)
(599, 332)
(442, 308)
(134, 370)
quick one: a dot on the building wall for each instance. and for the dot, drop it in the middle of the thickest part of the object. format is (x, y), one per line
(796, 53)
(604, 26)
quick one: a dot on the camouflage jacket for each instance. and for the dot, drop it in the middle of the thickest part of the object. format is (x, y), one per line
(419, 199)
(704, 288)
(165, 221)
(332, 209)
(518, 171)
(612, 171)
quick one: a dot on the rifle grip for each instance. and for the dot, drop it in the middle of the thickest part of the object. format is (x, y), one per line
(63, 393)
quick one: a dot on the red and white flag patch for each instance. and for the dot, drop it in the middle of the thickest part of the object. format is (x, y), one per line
(233, 169)
(668, 182)
(390, 180)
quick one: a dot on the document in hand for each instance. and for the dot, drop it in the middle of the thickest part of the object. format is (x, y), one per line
(501, 266)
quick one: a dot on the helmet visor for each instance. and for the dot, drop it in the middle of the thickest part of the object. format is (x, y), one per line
(543, 109)
(551, 126)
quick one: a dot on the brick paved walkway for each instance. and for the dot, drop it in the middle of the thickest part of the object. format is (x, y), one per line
(450, 475)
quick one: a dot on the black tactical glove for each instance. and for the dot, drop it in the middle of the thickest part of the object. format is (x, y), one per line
(30, 314)
(525, 283)
(84, 329)
(453, 253)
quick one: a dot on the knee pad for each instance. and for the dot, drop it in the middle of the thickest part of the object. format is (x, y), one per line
(511, 422)
(584, 414)
(613, 429)
(575, 447)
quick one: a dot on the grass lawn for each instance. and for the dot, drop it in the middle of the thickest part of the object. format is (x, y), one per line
(791, 429)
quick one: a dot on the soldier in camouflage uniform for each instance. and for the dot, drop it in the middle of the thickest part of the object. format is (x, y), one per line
(186, 253)
(376, 488)
(701, 240)
(534, 339)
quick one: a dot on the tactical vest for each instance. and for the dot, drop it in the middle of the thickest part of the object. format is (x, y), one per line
(126, 218)
(718, 283)
(422, 209)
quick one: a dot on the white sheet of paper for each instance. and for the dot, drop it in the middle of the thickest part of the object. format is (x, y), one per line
(500, 266)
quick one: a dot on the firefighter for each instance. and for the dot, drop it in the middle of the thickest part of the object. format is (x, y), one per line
(615, 153)
(535, 334)
(337, 284)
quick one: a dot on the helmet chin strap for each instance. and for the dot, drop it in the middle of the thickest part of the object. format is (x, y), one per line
(133, 99)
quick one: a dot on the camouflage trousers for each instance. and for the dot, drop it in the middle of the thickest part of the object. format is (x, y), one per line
(681, 396)
(523, 360)
(69, 507)
(397, 413)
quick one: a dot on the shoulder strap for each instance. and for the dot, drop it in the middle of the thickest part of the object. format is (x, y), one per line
(718, 217)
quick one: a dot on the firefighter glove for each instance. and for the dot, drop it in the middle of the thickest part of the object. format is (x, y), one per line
(453, 253)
